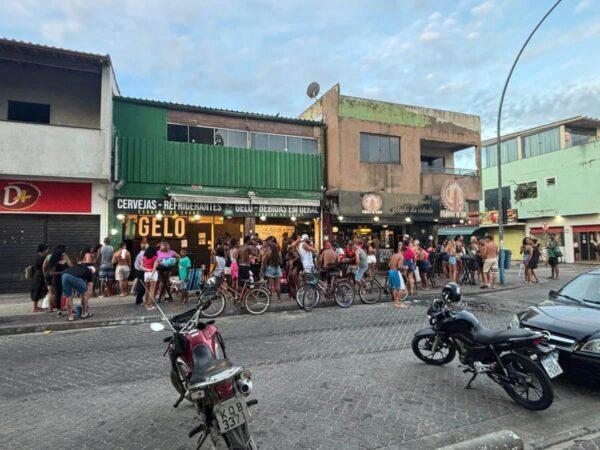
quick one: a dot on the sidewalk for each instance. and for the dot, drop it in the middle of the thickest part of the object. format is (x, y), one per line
(16, 316)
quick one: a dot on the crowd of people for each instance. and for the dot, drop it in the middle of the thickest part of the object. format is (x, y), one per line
(56, 279)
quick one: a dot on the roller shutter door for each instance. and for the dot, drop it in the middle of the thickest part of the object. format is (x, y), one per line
(20, 235)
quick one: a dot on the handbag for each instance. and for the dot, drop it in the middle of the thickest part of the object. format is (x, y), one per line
(46, 302)
(28, 272)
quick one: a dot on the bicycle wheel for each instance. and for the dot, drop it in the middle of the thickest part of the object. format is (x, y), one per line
(257, 301)
(211, 303)
(343, 294)
(309, 297)
(369, 292)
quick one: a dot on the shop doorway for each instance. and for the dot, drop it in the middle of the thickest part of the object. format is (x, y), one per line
(587, 246)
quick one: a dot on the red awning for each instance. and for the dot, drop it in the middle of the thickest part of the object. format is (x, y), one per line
(579, 228)
(540, 230)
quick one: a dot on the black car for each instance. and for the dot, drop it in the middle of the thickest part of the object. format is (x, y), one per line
(572, 317)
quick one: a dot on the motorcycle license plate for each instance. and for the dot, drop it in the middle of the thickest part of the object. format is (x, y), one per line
(551, 366)
(231, 414)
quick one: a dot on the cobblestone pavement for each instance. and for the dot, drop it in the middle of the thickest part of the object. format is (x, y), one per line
(329, 379)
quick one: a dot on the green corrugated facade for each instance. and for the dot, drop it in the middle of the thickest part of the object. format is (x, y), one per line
(145, 156)
(158, 161)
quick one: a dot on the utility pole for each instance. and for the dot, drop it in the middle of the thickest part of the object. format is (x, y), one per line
(499, 153)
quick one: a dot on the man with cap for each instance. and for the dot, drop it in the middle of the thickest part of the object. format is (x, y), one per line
(306, 253)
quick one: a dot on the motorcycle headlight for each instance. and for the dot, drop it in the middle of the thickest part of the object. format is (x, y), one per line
(515, 322)
(592, 346)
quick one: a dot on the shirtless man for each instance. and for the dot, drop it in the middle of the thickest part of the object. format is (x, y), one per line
(327, 260)
(489, 253)
(246, 256)
(396, 280)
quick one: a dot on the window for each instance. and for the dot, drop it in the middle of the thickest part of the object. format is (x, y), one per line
(238, 138)
(259, 141)
(551, 182)
(28, 112)
(579, 136)
(433, 161)
(472, 205)
(541, 143)
(201, 135)
(509, 151)
(526, 190)
(375, 148)
(177, 133)
(490, 199)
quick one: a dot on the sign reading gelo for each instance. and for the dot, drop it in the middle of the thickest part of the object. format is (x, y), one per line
(165, 227)
(19, 195)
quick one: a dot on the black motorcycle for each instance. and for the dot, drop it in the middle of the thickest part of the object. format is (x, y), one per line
(521, 361)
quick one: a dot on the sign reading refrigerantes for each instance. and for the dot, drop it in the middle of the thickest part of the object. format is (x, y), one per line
(152, 206)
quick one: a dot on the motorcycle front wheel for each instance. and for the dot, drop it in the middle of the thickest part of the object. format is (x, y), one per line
(527, 384)
(422, 347)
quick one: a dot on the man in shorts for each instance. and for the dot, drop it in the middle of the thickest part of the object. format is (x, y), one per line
(362, 264)
(489, 253)
(107, 268)
(75, 280)
(396, 280)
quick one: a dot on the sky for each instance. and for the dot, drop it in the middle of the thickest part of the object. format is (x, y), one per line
(260, 55)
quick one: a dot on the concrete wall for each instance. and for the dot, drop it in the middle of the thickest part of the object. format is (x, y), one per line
(347, 117)
(47, 150)
(576, 170)
(74, 97)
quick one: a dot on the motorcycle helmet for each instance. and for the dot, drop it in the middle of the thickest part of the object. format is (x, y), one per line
(451, 292)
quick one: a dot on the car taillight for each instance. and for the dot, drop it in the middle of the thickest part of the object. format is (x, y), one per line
(225, 390)
(537, 341)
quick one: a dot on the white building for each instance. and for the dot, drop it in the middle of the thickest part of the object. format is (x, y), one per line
(55, 152)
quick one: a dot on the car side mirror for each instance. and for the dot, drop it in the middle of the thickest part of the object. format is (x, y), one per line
(552, 293)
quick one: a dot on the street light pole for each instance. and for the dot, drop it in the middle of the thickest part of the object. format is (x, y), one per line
(500, 209)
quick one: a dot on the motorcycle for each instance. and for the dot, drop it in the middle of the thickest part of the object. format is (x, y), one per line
(202, 374)
(520, 361)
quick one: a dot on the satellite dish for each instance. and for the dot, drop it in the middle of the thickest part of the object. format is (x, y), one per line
(313, 89)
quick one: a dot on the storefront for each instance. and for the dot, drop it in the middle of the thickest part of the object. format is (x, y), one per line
(34, 212)
(387, 217)
(196, 222)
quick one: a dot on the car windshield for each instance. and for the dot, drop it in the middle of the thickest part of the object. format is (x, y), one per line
(585, 288)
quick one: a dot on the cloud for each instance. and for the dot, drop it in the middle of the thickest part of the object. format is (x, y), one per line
(429, 36)
(473, 35)
(583, 5)
(483, 8)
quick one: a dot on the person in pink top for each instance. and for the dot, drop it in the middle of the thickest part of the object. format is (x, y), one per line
(149, 266)
(409, 265)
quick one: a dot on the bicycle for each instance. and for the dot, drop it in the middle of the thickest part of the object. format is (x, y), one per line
(309, 293)
(371, 289)
(256, 298)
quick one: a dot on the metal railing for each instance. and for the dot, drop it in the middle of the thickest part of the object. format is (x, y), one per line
(449, 171)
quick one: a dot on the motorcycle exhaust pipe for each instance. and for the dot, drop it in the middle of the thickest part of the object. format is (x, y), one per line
(244, 385)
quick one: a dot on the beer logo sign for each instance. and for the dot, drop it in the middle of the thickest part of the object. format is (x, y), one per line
(453, 199)
(18, 196)
(372, 204)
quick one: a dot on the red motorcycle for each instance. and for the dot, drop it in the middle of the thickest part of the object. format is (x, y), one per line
(202, 374)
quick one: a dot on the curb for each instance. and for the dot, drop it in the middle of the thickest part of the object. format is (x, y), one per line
(566, 436)
(111, 322)
(500, 440)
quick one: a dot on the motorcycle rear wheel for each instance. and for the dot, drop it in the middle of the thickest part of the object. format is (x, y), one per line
(422, 347)
(530, 379)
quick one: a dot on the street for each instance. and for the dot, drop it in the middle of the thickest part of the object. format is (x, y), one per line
(331, 378)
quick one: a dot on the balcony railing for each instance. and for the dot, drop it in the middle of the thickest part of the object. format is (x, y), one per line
(449, 171)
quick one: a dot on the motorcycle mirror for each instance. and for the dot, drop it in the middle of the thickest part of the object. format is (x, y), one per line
(157, 326)
(552, 293)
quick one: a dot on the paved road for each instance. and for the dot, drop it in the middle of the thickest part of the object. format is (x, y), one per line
(329, 379)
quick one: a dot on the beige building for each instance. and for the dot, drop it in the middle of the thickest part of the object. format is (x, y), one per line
(390, 168)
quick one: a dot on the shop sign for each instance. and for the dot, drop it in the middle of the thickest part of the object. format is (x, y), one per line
(388, 206)
(372, 204)
(453, 200)
(491, 217)
(45, 197)
(165, 227)
(144, 206)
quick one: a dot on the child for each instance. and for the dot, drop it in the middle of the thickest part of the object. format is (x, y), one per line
(184, 271)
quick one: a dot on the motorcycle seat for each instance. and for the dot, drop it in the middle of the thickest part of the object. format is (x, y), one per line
(483, 335)
(205, 366)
